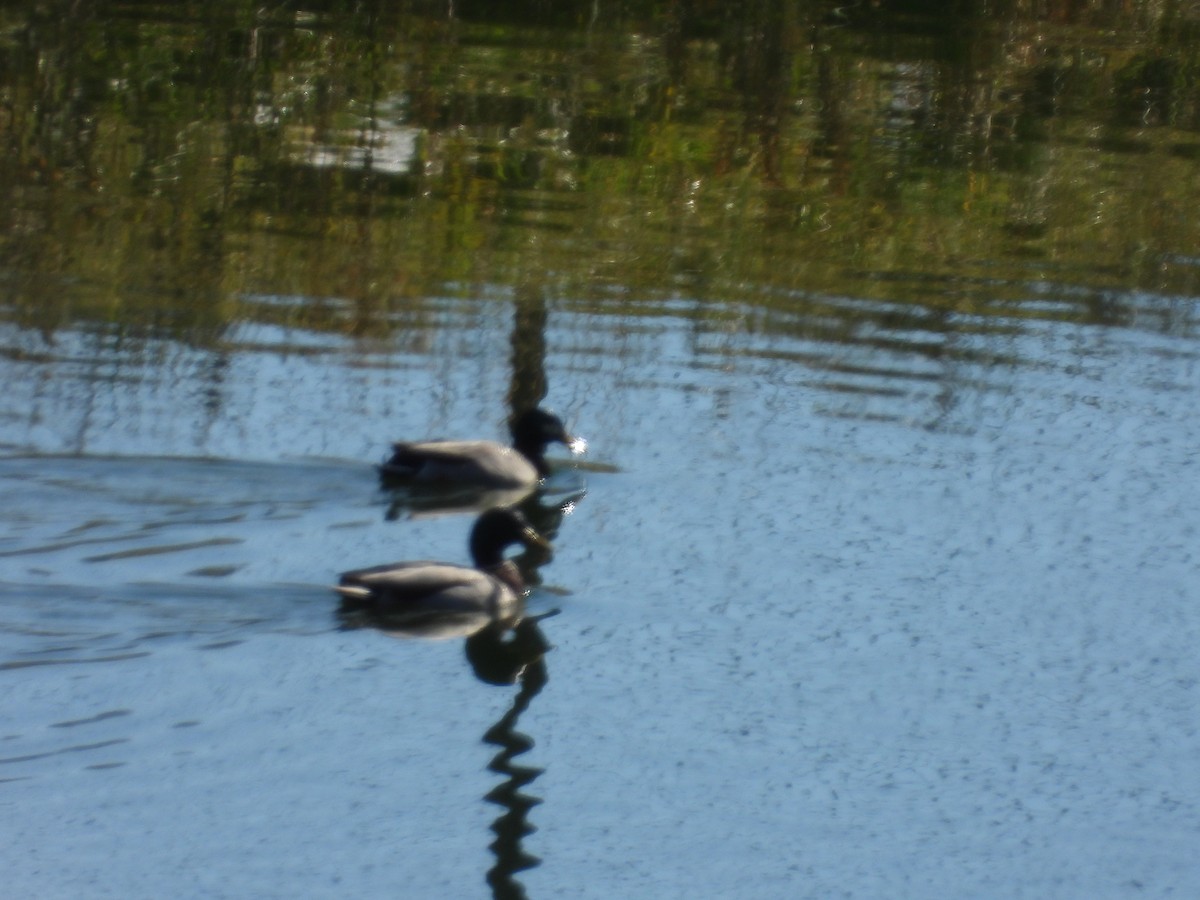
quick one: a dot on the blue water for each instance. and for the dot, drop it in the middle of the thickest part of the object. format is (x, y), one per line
(909, 613)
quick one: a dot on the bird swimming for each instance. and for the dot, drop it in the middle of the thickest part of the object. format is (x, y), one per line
(455, 599)
(482, 463)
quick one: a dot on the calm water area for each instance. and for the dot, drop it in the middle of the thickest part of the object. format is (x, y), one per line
(879, 576)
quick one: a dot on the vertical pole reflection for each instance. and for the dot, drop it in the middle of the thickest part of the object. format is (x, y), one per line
(528, 386)
(502, 658)
(498, 660)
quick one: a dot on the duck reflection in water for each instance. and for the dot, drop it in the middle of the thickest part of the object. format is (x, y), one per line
(500, 658)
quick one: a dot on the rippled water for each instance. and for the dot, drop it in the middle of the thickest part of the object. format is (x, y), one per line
(878, 578)
(909, 614)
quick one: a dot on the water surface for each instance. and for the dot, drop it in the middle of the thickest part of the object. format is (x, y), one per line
(879, 575)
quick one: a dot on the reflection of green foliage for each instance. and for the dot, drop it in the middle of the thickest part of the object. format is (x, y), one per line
(164, 164)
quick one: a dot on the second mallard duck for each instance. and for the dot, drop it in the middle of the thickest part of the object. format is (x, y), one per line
(424, 590)
(482, 463)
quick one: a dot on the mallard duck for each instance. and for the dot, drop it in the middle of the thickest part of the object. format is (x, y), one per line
(482, 463)
(424, 591)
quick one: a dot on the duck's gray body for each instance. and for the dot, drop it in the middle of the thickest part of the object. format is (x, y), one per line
(431, 587)
(436, 599)
(480, 463)
(484, 463)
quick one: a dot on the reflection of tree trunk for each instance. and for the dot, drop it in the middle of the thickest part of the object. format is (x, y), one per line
(216, 371)
(528, 386)
(831, 140)
(768, 108)
(757, 52)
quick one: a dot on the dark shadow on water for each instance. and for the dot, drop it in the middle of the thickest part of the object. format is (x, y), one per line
(500, 658)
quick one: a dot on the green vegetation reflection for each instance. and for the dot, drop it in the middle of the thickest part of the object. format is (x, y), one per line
(182, 168)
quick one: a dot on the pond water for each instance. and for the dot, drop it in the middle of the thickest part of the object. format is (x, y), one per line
(878, 578)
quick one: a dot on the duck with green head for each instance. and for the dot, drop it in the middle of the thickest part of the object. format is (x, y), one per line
(455, 599)
(482, 463)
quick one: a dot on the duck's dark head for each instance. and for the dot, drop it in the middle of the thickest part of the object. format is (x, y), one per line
(533, 430)
(498, 529)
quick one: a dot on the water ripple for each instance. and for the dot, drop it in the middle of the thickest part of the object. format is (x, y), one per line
(78, 748)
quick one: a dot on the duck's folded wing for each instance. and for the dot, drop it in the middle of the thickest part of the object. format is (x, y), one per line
(414, 579)
(423, 585)
(414, 455)
(479, 461)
